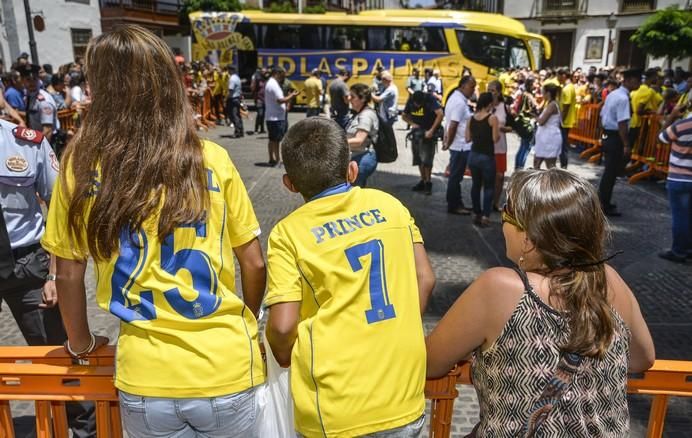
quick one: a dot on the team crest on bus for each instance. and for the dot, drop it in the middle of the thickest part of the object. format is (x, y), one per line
(217, 31)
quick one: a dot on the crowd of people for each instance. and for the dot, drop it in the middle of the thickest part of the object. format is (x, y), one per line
(33, 94)
(164, 214)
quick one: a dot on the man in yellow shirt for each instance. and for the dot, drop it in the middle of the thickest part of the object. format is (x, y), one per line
(645, 101)
(551, 78)
(313, 91)
(348, 280)
(568, 110)
(217, 95)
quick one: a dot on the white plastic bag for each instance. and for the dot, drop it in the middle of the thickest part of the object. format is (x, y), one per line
(275, 419)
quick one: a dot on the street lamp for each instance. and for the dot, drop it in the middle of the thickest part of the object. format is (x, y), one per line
(30, 28)
(611, 21)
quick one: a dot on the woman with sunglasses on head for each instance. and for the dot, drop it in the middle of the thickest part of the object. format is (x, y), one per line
(162, 213)
(560, 332)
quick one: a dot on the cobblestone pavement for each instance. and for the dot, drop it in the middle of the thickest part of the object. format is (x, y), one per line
(460, 252)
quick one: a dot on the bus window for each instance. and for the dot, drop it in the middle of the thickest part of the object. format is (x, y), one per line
(290, 36)
(493, 50)
(426, 39)
(344, 37)
(378, 38)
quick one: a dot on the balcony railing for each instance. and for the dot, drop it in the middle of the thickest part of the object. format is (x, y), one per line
(167, 7)
(637, 5)
(561, 7)
(492, 6)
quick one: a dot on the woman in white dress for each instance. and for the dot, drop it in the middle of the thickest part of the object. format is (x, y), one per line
(548, 136)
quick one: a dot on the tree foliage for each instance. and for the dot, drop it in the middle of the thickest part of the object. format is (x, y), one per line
(666, 34)
(207, 6)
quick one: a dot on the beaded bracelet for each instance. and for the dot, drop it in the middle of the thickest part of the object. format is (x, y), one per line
(89, 349)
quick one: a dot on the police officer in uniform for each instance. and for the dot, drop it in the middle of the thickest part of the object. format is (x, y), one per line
(41, 110)
(28, 170)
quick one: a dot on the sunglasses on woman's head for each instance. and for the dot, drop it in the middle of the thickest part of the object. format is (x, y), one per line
(508, 216)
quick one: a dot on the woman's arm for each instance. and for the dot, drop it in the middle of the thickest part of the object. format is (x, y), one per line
(72, 298)
(496, 128)
(357, 140)
(475, 313)
(253, 273)
(642, 351)
(468, 131)
(545, 115)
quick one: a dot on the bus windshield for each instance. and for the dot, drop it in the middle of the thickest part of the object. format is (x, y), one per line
(493, 50)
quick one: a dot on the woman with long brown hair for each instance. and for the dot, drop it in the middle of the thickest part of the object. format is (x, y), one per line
(552, 341)
(162, 213)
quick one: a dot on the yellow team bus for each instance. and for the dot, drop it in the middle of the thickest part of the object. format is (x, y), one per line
(397, 40)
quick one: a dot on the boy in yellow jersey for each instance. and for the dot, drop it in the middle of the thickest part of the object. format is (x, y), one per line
(348, 280)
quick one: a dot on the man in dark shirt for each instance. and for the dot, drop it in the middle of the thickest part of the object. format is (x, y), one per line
(424, 113)
(338, 98)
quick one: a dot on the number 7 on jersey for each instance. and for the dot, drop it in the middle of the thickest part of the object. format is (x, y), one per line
(381, 309)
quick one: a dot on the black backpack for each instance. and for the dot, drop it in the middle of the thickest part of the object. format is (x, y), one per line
(385, 146)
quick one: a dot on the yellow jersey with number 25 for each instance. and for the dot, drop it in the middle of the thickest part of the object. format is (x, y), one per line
(358, 364)
(184, 332)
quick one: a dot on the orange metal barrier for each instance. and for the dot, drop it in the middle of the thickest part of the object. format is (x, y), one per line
(649, 156)
(587, 130)
(442, 392)
(68, 119)
(47, 376)
(649, 152)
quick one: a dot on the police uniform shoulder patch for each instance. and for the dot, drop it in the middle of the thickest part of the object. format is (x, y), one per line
(27, 134)
(16, 163)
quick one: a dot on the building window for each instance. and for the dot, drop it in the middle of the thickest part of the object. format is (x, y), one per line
(560, 5)
(80, 39)
(86, 2)
(638, 5)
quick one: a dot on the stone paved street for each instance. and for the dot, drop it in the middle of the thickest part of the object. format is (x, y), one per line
(460, 252)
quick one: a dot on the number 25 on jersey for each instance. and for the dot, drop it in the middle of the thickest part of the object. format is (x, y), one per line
(133, 255)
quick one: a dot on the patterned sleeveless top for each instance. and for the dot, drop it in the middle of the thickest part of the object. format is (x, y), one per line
(511, 374)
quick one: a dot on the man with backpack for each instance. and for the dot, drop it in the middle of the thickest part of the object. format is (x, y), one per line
(424, 113)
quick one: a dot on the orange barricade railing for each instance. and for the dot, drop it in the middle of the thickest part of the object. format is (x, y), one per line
(649, 156)
(47, 376)
(587, 130)
(67, 118)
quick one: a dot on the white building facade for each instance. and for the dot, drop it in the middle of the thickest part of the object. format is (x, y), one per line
(69, 24)
(595, 33)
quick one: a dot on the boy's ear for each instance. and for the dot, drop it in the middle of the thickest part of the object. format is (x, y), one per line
(352, 172)
(289, 185)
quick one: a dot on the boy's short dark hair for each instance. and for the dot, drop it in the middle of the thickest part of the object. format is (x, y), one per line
(316, 155)
(633, 73)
